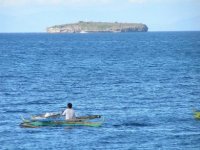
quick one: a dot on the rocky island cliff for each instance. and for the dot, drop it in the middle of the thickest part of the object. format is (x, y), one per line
(84, 27)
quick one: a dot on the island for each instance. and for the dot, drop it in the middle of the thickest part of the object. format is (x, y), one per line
(87, 27)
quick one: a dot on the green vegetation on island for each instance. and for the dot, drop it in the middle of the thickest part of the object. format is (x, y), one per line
(84, 27)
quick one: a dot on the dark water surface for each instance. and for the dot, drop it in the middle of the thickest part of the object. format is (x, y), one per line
(144, 84)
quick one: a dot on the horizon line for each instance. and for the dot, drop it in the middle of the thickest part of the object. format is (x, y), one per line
(105, 32)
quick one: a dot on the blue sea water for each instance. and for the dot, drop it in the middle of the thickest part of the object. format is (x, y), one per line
(146, 85)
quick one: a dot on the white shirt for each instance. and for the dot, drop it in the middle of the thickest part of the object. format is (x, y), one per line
(69, 114)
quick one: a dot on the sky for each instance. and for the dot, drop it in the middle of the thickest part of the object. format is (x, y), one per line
(158, 15)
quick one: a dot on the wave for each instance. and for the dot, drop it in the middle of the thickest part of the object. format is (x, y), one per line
(133, 124)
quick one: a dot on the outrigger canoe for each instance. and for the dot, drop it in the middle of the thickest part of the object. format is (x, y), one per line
(197, 115)
(58, 115)
(42, 121)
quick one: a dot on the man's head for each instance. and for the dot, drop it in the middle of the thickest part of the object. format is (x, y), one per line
(69, 105)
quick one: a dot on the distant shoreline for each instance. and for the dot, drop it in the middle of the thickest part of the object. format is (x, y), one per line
(88, 27)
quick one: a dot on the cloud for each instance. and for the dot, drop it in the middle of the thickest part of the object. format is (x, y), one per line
(137, 1)
(13, 3)
(147, 1)
(162, 1)
(7, 3)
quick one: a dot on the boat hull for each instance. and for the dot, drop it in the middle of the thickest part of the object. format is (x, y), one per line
(197, 115)
(35, 124)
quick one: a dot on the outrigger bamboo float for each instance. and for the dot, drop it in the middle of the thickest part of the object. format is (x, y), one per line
(52, 120)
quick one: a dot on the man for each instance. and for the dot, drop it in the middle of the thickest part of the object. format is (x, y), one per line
(69, 112)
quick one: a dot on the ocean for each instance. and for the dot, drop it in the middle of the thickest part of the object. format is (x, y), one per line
(146, 85)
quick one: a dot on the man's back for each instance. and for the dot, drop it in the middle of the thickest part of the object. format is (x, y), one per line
(69, 113)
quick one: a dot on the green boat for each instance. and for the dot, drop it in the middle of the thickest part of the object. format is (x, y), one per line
(197, 114)
(58, 115)
(36, 124)
(79, 121)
